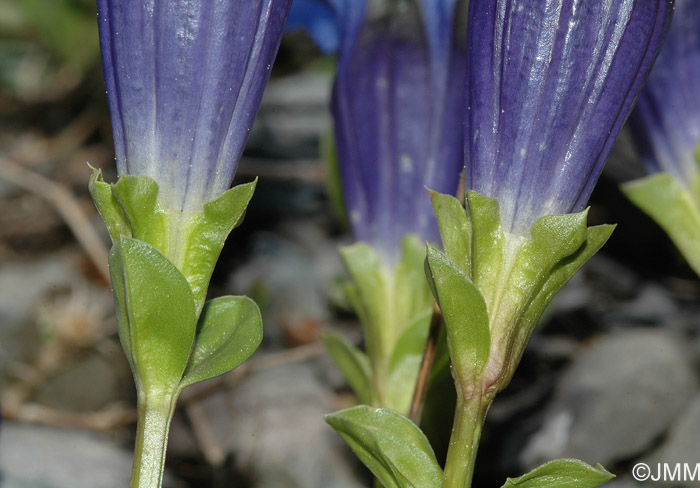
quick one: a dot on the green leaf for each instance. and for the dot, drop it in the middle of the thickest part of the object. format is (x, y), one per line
(229, 332)
(562, 272)
(207, 233)
(390, 445)
(108, 207)
(553, 238)
(405, 362)
(455, 229)
(562, 473)
(138, 198)
(674, 208)
(155, 313)
(354, 298)
(353, 363)
(487, 242)
(464, 312)
(411, 295)
(412, 341)
(367, 294)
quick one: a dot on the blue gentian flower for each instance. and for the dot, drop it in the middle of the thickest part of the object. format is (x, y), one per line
(318, 18)
(184, 82)
(666, 121)
(550, 84)
(398, 109)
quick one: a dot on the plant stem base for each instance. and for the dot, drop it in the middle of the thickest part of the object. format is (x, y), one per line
(464, 442)
(155, 412)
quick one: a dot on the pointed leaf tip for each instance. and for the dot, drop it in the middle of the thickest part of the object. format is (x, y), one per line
(562, 473)
(455, 229)
(391, 446)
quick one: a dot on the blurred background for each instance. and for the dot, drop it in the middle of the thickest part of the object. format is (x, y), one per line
(610, 375)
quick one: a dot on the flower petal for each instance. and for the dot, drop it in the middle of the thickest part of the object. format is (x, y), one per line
(550, 83)
(397, 105)
(666, 121)
(184, 82)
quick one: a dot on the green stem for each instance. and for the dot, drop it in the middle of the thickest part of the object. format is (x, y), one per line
(155, 412)
(464, 442)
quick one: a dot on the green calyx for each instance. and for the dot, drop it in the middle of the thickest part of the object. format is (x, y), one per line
(160, 265)
(675, 207)
(191, 240)
(493, 286)
(394, 305)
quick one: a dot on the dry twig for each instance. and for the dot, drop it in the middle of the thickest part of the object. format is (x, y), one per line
(116, 416)
(426, 366)
(66, 205)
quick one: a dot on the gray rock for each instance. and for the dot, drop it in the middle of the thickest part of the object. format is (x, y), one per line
(23, 286)
(181, 442)
(616, 398)
(294, 108)
(653, 305)
(574, 295)
(89, 383)
(206, 431)
(682, 444)
(314, 239)
(46, 457)
(611, 277)
(279, 435)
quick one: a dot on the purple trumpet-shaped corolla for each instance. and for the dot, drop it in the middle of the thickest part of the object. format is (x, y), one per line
(550, 84)
(397, 104)
(666, 121)
(184, 83)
